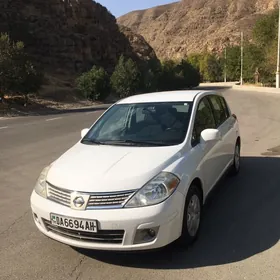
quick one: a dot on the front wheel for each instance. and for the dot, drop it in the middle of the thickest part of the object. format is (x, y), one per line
(235, 168)
(192, 217)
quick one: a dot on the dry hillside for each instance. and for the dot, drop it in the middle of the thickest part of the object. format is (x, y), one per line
(66, 36)
(192, 25)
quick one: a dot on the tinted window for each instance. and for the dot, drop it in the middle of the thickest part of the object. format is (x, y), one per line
(204, 119)
(160, 123)
(225, 107)
(219, 112)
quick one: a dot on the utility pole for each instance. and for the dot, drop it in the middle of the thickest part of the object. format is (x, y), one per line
(278, 53)
(241, 72)
(226, 63)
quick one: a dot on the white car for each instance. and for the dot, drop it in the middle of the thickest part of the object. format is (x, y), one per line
(139, 177)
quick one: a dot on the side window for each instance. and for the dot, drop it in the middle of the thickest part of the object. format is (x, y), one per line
(204, 119)
(225, 107)
(219, 111)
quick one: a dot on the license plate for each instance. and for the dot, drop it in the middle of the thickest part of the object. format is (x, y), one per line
(73, 223)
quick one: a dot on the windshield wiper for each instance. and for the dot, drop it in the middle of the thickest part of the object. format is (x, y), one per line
(123, 142)
(92, 141)
(136, 142)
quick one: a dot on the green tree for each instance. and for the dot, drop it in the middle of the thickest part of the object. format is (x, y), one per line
(194, 59)
(167, 79)
(211, 67)
(94, 84)
(254, 57)
(265, 29)
(187, 75)
(150, 75)
(267, 72)
(17, 72)
(126, 79)
(178, 76)
(233, 63)
(265, 34)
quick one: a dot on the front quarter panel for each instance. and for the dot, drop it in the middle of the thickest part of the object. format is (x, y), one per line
(187, 168)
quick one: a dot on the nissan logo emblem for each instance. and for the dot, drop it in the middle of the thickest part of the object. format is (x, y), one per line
(79, 202)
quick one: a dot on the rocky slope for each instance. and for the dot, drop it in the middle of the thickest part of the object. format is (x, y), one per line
(139, 45)
(189, 26)
(66, 36)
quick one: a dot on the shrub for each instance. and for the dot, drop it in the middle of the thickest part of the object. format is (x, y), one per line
(167, 78)
(178, 76)
(126, 79)
(17, 73)
(94, 84)
(211, 68)
(266, 29)
(150, 74)
(188, 76)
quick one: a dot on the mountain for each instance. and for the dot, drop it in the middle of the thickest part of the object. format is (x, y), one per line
(139, 45)
(67, 36)
(187, 26)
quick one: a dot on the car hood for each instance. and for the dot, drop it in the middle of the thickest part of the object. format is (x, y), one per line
(90, 168)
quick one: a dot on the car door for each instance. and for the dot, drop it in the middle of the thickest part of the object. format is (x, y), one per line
(232, 124)
(207, 153)
(225, 125)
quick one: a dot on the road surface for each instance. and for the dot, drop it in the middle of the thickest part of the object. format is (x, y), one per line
(240, 230)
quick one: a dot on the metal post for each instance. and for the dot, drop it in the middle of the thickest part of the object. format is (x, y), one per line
(225, 64)
(241, 74)
(278, 53)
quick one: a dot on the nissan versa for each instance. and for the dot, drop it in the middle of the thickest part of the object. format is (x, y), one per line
(139, 177)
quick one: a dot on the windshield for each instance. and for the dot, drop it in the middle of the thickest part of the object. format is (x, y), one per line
(147, 124)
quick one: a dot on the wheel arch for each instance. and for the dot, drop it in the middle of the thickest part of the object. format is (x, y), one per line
(197, 182)
(238, 141)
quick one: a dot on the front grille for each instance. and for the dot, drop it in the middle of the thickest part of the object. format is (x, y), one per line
(115, 199)
(102, 236)
(58, 195)
(95, 201)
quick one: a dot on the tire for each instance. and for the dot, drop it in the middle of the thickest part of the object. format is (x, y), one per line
(188, 235)
(235, 168)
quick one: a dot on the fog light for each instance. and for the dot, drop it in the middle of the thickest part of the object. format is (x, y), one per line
(145, 235)
(151, 233)
(36, 218)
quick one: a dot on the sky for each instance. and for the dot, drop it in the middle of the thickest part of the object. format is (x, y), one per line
(121, 7)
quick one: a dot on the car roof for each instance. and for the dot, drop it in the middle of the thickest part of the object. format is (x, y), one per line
(165, 96)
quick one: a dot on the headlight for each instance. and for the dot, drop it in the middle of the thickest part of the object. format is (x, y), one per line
(40, 187)
(155, 191)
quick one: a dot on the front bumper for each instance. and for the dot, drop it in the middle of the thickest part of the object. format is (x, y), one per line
(167, 216)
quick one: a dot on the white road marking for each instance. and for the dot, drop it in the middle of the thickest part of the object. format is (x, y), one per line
(88, 113)
(3, 127)
(53, 119)
(10, 118)
(30, 123)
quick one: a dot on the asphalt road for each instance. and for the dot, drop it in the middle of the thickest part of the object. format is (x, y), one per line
(240, 230)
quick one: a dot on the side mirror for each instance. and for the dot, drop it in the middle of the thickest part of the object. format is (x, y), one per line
(210, 134)
(84, 132)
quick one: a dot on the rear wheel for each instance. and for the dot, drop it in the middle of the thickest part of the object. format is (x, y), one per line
(192, 217)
